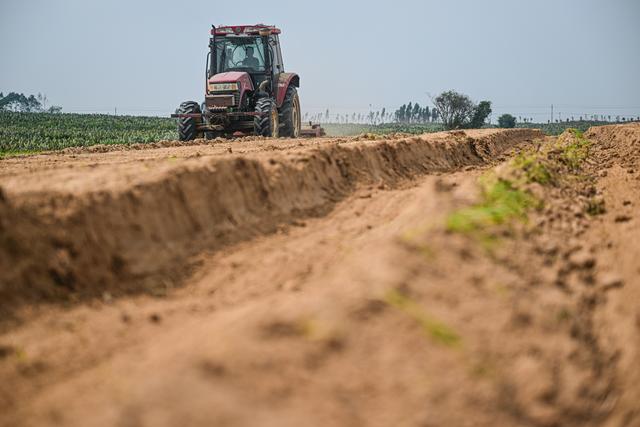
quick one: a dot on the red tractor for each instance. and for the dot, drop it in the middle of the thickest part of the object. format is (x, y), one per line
(247, 89)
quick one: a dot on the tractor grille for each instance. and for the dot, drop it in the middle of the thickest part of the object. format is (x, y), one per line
(223, 99)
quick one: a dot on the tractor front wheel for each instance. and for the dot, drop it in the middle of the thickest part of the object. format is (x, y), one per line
(267, 123)
(188, 126)
(290, 114)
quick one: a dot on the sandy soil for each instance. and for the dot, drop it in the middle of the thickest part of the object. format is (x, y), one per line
(312, 283)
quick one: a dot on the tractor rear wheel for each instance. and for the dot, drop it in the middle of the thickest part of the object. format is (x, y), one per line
(188, 126)
(290, 114)
(267, 123)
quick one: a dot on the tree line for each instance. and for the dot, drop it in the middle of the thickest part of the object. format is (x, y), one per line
(407, 113)
(414, 113)
(19, 102)
(454, 110)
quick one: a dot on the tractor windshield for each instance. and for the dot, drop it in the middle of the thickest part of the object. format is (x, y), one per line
(240, 54)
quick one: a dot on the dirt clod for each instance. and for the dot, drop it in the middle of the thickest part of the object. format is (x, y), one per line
(581, 259)
(6, 351)
(610, 281)
(623, 218)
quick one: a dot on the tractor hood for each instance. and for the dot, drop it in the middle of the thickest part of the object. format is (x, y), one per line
(240, 77)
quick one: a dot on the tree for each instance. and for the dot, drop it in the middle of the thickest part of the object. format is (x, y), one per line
(480, 114)
(400, 113)
(455, 109)
(506, 121)
(42, 99)
(415, 115)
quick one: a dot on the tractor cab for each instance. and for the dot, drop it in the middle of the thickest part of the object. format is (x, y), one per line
(240, 49)
(246, 59)
(246, 87)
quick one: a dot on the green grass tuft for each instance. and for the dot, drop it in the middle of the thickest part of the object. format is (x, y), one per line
(596, 206)
(533, 167)
(501, 203)
(435, 329)
(574, 153)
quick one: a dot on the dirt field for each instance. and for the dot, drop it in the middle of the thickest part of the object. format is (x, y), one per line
(320, 282)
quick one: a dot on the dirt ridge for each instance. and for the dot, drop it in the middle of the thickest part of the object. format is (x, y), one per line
(57, 246)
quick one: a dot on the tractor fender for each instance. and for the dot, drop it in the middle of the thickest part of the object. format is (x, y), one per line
(284, 81)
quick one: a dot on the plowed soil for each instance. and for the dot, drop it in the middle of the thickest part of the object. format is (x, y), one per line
(313, 282)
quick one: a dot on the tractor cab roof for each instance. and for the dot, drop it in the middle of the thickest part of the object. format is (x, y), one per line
(248, 30)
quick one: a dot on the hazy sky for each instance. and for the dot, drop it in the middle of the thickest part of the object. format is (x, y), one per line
(148, 56)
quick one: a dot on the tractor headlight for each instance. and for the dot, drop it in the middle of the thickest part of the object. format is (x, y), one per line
(223, 87)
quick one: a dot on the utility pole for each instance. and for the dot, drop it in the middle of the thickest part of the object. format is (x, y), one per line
(551, 113)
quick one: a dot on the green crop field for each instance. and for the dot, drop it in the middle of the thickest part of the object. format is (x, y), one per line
(351, 129)
(29, 132)
(559, 127)
(34, 132)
